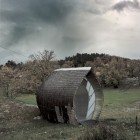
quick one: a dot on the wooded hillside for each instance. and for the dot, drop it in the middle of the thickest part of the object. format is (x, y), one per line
(111, 71)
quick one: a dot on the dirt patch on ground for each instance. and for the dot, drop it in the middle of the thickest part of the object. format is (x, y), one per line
(16, 113)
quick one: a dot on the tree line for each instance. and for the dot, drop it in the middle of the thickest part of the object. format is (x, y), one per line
(109, 70)
(26, 77)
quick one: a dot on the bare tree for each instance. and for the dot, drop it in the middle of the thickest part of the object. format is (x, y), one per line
(6, 74)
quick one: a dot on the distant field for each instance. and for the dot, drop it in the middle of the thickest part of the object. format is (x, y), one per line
(117, 104)
(28, 99)
(121, 104)
(112, 97)
(118, 98)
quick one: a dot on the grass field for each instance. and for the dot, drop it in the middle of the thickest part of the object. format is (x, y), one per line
(112, 97)
(118, 98)
(117, 103)
(27, 99)
(120, 106)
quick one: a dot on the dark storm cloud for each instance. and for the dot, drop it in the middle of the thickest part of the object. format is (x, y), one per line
(17, 33)
(65, 26)
(26, 13)
(52, 11)
(49, 11)
(46, 10)
(24, 17)
(120, 6)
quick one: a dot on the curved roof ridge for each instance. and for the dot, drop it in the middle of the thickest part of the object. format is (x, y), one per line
(78, 68)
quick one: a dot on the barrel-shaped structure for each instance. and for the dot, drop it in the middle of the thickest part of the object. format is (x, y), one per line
(70, 95)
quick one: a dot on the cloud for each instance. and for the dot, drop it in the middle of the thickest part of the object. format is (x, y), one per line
(24, 20)
(26, 16)
(120, 6)
(65, 26)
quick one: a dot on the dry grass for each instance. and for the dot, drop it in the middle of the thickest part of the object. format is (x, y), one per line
(117, 122)
(102, 131)
(16, 113)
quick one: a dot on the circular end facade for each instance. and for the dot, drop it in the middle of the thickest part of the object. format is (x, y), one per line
(88, 100)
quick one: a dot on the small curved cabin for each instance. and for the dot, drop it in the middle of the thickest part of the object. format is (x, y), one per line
(70, 95)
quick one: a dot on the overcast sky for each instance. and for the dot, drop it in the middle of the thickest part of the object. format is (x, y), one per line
(69, 27)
